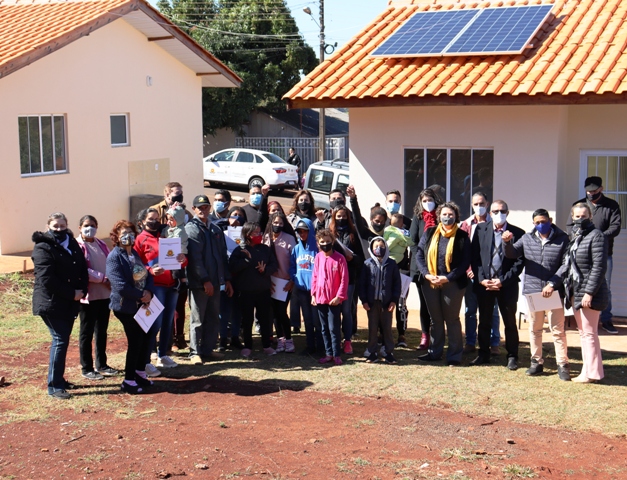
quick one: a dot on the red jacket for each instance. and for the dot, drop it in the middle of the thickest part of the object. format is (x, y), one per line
(147, 246)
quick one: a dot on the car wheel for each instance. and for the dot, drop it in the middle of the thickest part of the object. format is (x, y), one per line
(255, 181)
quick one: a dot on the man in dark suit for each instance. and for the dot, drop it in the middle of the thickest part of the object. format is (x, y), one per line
(497, 279)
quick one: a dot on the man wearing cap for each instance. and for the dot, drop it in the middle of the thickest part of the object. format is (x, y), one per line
(606, 217)
(208, 275)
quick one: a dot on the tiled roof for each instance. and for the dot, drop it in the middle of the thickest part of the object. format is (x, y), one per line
(578, 55)
(32, 29)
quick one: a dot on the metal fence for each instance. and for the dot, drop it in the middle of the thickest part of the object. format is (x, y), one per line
(306, 148)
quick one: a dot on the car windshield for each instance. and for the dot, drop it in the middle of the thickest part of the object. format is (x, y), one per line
(274, 158)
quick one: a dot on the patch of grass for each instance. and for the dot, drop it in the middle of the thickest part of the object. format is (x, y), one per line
(514, 471)
(343, 468)
(460, 454)
(361, 462)
(325, 401)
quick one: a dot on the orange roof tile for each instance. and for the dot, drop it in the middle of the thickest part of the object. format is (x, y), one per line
(580, 51)
(32, 29)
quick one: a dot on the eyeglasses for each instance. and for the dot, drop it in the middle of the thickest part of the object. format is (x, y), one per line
(499, 211)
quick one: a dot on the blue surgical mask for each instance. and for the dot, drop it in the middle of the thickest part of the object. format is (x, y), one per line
(393, 207)
(219, 206)
(255, 199)
(543, 228)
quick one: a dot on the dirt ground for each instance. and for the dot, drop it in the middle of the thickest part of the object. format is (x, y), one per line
(223, 427)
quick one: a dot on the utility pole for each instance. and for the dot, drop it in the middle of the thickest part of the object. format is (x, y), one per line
(322, 129)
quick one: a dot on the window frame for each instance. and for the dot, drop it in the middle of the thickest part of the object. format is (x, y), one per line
(128, 130)
(54, 170)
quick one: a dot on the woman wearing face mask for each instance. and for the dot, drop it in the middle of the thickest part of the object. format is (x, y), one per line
(60, 282)
(424, 218)
(147, 246)
(345, 233)
(583, 271)
(303, 207)
(94, 310)
(443, 257)
(131, 287)
(280, 237)
(252, 265)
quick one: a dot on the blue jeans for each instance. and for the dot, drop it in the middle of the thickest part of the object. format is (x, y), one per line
(606, 315)
(164, 322)
(295, 307)
(313, 334)
(347, 314)
(230, 313)
(330, 325)
(60, 329)
(471, 320)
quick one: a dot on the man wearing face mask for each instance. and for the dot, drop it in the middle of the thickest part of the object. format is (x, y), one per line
(172, 194)
(542, 250)
(208, 275)
(497, 279)
(337, 198)
(254, 205)
(480, 206)
(220, 213)
(606, 217)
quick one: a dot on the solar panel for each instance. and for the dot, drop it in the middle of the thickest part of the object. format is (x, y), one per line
(487, 31)
(425, 33)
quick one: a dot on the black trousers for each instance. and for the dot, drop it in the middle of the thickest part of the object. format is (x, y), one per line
(281, 318)
(425, 318)
(94, 318)
(507, 297)
(137, 349)
(256, 303)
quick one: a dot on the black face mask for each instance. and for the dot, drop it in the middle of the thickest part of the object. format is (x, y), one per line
(277, 228)
(153, 225)
(581, 225)
(341, 223)
(59, 235)
(327, 247)
(338, 202)
(177, 198)
(377, 226)
(593, 196)
(303, 206)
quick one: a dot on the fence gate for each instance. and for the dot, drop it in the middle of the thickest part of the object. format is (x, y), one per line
(306, 148)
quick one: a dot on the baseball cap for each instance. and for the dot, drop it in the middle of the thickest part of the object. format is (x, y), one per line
(201, 200)
(301, 226)
(593, 183)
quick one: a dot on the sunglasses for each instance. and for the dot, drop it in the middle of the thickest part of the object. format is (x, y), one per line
(499, 211)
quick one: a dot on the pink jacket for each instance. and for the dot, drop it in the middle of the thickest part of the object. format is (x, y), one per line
(329, 278)
(94, 275)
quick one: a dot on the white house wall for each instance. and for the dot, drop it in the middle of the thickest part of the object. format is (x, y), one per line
(103, 73)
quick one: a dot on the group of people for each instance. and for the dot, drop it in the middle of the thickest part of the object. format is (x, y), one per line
(320, 264)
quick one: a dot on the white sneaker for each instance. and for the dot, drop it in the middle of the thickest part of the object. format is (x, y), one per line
(154, 357)
(151, 370)
(280, 345)
(289, 346)
(382, 352)
(367, 353)
(166, 362)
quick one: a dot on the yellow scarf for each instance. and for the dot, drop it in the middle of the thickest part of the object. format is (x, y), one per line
(433, 249)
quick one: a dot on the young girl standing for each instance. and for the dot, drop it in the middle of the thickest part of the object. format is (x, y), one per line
(329, 288)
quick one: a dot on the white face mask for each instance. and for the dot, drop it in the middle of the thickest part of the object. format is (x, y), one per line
(499, 218)
(89, 232)
(479, 211)
(428, 206)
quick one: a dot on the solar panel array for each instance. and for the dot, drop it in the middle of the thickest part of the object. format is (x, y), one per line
(487, 31)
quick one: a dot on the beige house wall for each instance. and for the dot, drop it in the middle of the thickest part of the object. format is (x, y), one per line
(93, 77)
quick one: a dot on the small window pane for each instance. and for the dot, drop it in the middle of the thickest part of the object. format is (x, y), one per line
(33, 134)
(320, 180)
(245, 157)
(602, 168)
(592, 166)
(24, 145)
(46, 143)
(436, 168)
(622, 180)
(414, 177)
(342, 182)
(118, 130)
(59, 143)
(461, 180)
(483, 172)
(612, 167)
(622, 202)
(258, 159)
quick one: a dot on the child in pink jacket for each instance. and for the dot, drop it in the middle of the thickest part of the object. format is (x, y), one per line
(329, 288)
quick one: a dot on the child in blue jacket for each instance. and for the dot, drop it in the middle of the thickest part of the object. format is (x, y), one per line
(379, 291)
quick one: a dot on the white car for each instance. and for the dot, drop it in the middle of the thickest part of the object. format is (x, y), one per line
(244, 166)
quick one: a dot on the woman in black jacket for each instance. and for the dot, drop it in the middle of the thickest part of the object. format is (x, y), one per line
(61, 280)
(443, 256)
(583, 271)
(424, 218)
(252, 264)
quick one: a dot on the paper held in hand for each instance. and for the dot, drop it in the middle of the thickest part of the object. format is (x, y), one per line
(278, 284)
(233, 238)
(537, 303)
(405, 284)
(169, 248)
(146, 315)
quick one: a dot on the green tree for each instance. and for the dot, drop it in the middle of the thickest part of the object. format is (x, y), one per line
(257, 39)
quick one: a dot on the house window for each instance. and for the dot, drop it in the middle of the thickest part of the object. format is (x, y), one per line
(42, 144)
(459, 172)
(119, 130)
(612, 168)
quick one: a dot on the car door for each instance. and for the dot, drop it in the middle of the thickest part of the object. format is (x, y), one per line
(218, 166)
(243, 167)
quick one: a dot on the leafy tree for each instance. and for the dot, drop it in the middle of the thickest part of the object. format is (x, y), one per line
(257, 39)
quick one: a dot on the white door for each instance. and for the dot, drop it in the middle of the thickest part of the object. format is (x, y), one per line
(611, 166)
(244, 167)
(218, 166)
